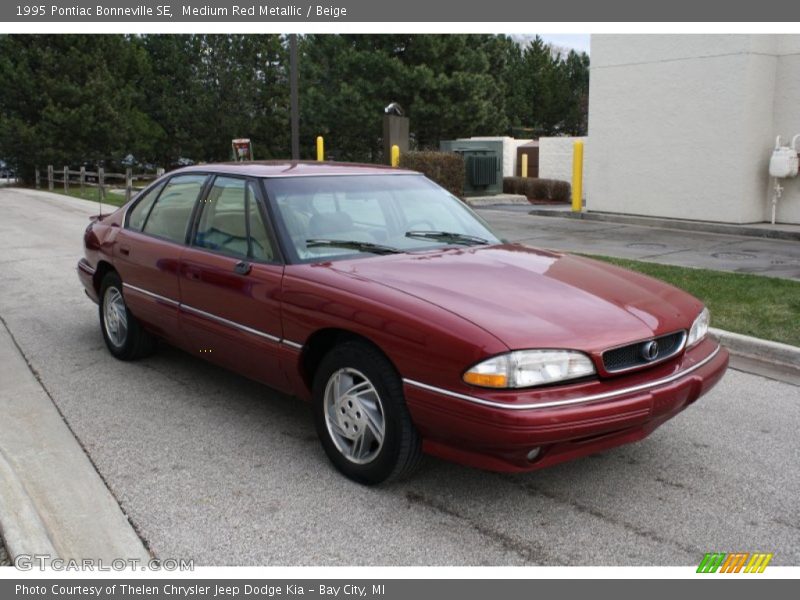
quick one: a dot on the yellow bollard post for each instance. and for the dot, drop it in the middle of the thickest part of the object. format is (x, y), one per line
(524, 168)
(395, 155)
(577, 177)
(320, 148)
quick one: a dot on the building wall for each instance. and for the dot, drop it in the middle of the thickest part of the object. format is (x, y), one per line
(682, 126)
(555, 158)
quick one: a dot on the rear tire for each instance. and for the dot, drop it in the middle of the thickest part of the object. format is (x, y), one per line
(361, 415)
(125, 337)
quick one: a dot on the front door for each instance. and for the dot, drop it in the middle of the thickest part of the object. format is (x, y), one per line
(231, 283)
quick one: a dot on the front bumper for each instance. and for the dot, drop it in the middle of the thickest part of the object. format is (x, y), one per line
(496, 431)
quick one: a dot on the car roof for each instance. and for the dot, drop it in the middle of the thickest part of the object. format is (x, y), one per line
(286, 168)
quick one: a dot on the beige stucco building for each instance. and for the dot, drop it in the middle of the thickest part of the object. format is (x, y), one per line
(683, 126)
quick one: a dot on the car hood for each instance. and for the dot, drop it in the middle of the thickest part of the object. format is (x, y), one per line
(531, 298)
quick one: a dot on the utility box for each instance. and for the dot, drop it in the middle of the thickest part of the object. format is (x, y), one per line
(483, 165)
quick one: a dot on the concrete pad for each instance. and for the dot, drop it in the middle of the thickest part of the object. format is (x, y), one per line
(52, 500)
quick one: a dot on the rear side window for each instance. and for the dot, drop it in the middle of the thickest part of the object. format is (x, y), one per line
(171, 213)
(141, 209)
(231, 222)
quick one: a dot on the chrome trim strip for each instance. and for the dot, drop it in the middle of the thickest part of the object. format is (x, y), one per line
(685, 336)
(233, 324)
(86, 268)
(169, 301)
(212, 317)
(581, 400)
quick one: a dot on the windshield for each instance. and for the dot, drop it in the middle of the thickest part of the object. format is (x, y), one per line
(330, 217)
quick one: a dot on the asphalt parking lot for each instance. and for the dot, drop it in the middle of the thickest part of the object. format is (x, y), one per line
(212, 467)
(721, 252)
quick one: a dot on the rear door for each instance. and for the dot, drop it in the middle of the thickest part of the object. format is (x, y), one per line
(230, 278)
(148, 250)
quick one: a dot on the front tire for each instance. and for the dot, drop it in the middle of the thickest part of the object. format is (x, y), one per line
(361, 415)
(125, 337)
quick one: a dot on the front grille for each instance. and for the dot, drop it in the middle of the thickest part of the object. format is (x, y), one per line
(637, 355)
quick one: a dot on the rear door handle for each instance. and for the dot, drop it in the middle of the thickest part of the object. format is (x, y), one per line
(124, 250)
(243, 267)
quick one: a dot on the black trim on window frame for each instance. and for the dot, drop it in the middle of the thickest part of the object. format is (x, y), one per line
(278, 256)
(210, 177)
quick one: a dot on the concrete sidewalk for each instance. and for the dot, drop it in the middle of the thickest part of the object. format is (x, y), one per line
(718, 251)
(52, 500)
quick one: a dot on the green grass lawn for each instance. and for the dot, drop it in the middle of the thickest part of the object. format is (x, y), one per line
(91, 193)
(763, 307)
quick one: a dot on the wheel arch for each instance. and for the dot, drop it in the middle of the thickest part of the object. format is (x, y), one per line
(323, 341)
(103, 268)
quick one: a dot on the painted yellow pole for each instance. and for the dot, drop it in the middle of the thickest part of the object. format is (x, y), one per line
(524, 168)
(577, 177)
(395, 155)
(320, 148)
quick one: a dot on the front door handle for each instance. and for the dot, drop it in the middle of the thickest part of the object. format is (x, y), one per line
(243, 267)
(124, 250)
(192, 273)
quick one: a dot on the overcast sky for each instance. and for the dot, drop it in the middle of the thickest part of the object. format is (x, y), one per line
(576, 41)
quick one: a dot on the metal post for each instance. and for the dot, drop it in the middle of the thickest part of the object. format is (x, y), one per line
(293, 97)
(320, 148)
(66, 180)
(101, 180)
(36, 177)
(577, 177)
(159, 171)
(524, 165)
(50, 177)
(83, 179)
(395, 155)
(128, 184)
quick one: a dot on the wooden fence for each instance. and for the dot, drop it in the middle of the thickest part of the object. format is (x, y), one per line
(99, 179)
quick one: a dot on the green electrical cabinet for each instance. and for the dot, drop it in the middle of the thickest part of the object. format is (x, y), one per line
(483, 165)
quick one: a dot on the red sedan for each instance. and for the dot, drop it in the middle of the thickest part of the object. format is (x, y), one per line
(387, 303)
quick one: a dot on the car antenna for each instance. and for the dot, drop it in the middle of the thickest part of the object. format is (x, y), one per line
(100, 190)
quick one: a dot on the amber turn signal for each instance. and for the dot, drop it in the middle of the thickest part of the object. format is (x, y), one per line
(486, 379)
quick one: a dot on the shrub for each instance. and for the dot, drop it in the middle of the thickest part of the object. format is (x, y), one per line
(552, 190)
(445, 168)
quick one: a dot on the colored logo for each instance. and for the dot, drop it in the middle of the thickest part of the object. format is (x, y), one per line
(734, 562)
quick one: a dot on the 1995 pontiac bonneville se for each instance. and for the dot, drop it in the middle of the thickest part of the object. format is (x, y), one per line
(387, 303)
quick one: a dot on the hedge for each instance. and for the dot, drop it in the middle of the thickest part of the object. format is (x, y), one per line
(445, 168)
(553, 190)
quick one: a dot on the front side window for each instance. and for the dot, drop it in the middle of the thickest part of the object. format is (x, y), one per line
(327, 217)
(231, 222)
(170, 215)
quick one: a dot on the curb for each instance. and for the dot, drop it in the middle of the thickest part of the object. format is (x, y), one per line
(704, 226)
(772, 353)
(482, 201)
(21, 527)
(53, 501)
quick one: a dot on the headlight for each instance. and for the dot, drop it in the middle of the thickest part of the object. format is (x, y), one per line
(699, 328)
(526, 368)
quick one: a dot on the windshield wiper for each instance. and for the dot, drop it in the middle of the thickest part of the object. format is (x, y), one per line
(352, 245)
(448, 237)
